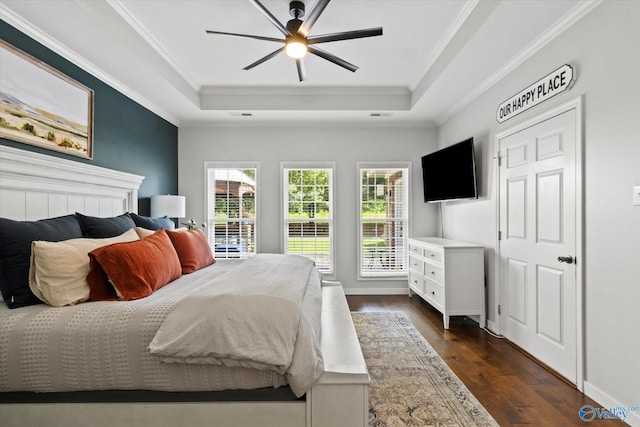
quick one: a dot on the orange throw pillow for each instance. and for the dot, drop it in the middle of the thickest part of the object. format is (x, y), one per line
(135, 269)
(192, 248)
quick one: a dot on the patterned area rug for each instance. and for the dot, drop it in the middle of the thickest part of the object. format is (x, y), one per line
(410, 384)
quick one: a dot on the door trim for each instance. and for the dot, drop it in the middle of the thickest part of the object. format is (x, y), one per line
(574, 104)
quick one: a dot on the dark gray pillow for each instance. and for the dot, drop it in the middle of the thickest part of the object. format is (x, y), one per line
(15, 253)
(152, 223)
(99, 228)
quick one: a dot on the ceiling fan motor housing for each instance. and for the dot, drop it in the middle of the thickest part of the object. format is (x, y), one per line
(293, 25)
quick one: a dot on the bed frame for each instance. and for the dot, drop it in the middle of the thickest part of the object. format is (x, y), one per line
(35, 186)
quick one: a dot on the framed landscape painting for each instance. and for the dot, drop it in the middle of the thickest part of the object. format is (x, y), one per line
(41, 106)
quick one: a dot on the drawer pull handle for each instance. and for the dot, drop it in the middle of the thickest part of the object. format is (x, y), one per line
(433, 292)
(432, 255)
(433, 272)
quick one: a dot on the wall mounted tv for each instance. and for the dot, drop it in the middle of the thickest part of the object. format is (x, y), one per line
(450, 173)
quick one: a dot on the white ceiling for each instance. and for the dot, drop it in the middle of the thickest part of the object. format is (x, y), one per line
(435, 55)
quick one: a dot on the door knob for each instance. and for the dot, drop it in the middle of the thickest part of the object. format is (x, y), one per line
(568, 259)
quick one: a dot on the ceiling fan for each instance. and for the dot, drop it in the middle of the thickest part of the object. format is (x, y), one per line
(297, 42)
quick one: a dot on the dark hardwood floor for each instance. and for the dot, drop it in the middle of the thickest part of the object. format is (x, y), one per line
(514, 388)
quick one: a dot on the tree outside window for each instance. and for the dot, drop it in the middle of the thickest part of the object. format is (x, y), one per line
(308, 218)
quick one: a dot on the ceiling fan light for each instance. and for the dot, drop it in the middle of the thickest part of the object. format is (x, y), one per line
(296, 49)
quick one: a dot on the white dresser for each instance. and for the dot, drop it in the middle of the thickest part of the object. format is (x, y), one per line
(449, 275)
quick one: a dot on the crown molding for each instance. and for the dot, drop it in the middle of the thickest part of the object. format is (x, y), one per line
(305, 124)
(313, 91)
(51, 43)
(560, 26)
(142, 31)
(446, 38)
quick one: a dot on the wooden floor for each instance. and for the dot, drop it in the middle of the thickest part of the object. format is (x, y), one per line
(514, 388)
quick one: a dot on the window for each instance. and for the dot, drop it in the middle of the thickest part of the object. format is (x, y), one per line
(384, 222)
(308, 212)
(231, 208)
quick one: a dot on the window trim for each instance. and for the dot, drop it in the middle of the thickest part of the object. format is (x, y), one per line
(360, 165)
(243, 164)
(289, 164)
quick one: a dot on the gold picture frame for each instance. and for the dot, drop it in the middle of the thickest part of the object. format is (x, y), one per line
(41, 106)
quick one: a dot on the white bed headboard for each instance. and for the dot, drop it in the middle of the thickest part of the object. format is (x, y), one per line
(35, 186)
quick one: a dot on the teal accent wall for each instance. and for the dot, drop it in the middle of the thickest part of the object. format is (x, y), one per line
(126, 136)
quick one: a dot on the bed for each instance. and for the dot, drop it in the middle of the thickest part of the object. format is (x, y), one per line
(122, 382)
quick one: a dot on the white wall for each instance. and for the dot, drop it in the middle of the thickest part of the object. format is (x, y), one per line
(604, 48)
(344, 145)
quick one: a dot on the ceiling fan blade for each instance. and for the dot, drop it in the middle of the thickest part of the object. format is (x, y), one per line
(263, 59)
(271, 39)
(313, 16)
(270, 17)
(345, 35)
(300, 67)
(332, 58)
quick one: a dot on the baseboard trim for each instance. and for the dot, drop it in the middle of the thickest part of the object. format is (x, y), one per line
(493, 327)
(376, 291)
(608, 402)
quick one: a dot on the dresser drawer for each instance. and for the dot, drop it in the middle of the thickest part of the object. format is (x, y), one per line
(432, 255)
(416, 282)
(415, 249)
(434, 272)
(434, 292)
(416, 264)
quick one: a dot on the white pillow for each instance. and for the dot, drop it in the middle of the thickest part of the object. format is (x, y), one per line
(58, 270)
(144, 232)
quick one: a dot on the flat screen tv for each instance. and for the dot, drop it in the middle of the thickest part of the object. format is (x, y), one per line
(450, 173)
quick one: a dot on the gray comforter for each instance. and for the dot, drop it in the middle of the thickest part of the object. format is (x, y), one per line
(260, 315)
(104, 345)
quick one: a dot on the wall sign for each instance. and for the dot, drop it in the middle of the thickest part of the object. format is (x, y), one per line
(545, 88)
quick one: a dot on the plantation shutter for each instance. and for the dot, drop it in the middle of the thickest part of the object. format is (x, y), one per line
(308, 214)
(231, 209)
(384, 218)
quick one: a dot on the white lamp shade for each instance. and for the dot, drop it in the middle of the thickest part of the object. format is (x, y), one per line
(168, 205)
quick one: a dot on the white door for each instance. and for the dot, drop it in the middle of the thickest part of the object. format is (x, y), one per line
(538, 216)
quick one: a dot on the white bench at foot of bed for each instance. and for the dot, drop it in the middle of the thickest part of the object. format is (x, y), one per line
(340, 398)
